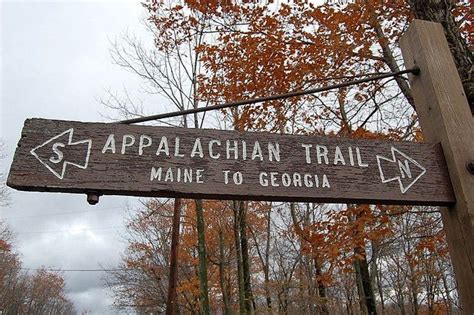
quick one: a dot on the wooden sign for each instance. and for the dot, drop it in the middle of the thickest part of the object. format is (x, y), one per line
(118, 159)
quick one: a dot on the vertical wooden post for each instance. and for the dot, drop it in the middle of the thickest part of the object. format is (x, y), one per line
(445, 117)
(173, 277)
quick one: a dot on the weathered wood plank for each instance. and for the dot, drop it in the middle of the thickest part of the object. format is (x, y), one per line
(123, 160)
(446, 118)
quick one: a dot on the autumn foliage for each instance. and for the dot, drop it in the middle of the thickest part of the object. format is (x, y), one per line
(303, 258)
(286, 257)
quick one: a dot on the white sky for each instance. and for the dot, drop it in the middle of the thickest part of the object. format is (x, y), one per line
(55, 63)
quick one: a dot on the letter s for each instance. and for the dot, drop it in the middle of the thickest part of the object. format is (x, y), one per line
(56, 151)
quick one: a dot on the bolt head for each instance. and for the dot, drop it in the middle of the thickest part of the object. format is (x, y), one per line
(470, 166)
(92, 199)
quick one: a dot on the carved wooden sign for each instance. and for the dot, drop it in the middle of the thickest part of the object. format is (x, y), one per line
(118, 159)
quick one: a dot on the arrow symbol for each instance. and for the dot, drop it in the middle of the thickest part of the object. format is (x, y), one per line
(400, 167)
(52, 153)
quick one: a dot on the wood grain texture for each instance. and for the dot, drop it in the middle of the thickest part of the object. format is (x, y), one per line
(129, 173)
(445, 117)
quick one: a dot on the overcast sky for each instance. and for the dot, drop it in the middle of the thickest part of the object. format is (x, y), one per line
(55, 63)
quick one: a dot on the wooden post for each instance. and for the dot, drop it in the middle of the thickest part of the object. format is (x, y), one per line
(445, 117)
(173, 277)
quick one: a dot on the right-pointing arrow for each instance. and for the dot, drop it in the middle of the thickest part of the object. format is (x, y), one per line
(400, 167)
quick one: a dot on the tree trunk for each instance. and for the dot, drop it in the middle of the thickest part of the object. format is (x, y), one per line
(414, 289)
(238, 256)
(376, 274)
(245, 258)
(390, 60)
(225, 293)
(204, 298)
(173, 278)
(440, 11)
(365, 290)
(449, 302)
(367, 293)
(266, 268)
(360, 289)
(321, 288)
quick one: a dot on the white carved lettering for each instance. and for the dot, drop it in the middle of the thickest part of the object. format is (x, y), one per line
(163, 147)
(325, 182)
(308, 180)
(59, 155)
(188, 175)
(213, 155)
(199, 173)
(338, 157)
(238, 178)
(359, 159)
(176, 148)
(127, 141)
(263, 179)
(234, 149)
(274, 151)
(316, 181)
(178, 175)
(143, 144)
(286, 179)
(273, 179)
(226, 176)
(109, 144)
(197, 148)
(297, 180)
(169, 175)
(155, 173)
(351, 156)
(404, 169)
(322, 152)
(257, 151)
(307, 152)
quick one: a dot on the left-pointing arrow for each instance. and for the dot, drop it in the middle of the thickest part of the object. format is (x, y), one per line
(59, 151)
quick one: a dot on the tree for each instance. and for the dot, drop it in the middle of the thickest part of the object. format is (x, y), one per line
(141, 282)
(22, 293)
(170, 69)
(458, 32)
(285, 44)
